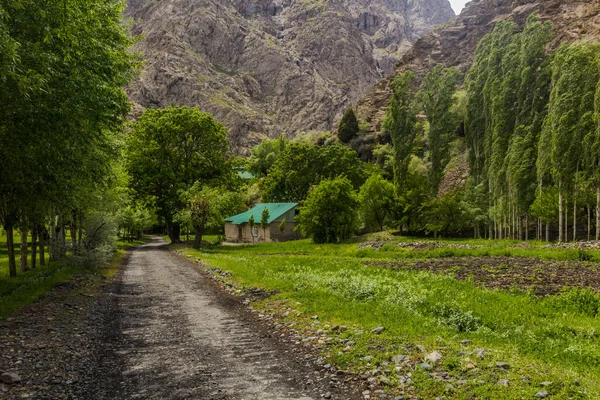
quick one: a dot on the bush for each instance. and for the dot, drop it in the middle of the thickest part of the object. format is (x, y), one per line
(329, 213)
(99, 242)
(580, 301)
(462, 321)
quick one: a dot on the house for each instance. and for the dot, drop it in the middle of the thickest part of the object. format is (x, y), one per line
(237, 228)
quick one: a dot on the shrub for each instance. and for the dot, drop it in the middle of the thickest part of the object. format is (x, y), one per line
(329, 213)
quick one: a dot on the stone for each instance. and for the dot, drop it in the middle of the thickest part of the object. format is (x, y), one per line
(542, 394)
(343, 328)
(384, 381)
(480, 353)
(425, 365)
(546, 383)
(378, 330)
(465, 341)
(503, 365)
(327, 395)
(368, 359)
(399, 359)
(433, 357)
(10, 378)
(421, 348)
(503, 382)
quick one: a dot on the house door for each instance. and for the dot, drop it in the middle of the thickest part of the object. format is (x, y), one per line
(240, 234)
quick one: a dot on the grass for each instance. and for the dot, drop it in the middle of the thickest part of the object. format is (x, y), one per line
(28, 286)
(543, 339)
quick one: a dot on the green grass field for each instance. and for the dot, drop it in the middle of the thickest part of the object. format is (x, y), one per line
(30, 285)
(554, 338)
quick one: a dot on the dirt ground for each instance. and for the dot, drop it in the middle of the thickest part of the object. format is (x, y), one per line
(162, 330)
(541, 277)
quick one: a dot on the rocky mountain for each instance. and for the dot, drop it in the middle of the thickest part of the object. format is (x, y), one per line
(454, 44)
(266, 67)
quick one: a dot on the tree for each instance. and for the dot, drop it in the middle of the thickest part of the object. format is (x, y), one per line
(282, 226)
(329, 212)
(264, 221)
(377, 200)
(265, 154)
(302, 165)
(437, 96)
(168, 151)
(348, 127)
(62, 69)
(399, 122)
(251, 223)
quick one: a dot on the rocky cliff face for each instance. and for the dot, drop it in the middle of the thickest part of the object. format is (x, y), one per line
(266, 67)
(455, 43)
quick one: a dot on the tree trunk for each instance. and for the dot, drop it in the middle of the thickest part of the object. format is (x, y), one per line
(598, 213)
(63, 237)
(74, 233)
(34, 235)
(199, 230)
(53, 242)
(560, 213)
(23, 255)
(575, 218)
(42, 233)
(589, 222)
(547, 232)
(566, 221)
(10, 244)
(174, 232)
(526, 227)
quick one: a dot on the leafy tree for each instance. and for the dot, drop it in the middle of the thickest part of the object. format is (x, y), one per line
(282, 226)
(251, 223)
(207, 207)
(264, 221)
(302, 165)
(376, 198)
(329, 212)
(168, 151)
(62, 69)
(348, 127)
(437, 96)
(400, 122)
(265, 154)
(575, 78)
(446, 214)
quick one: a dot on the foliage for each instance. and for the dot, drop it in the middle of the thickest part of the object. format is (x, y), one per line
(377, 200)
(446, 214)
(168, 151)
(348, 127)
(302, 165)
(329, 213)
(437, 97)
(264, 220)
(400, 122)
(265, 154)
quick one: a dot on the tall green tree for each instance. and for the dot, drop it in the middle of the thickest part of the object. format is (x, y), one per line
(570, 119)
(329, 213)
(168, 151)
(265, 154)
(377, 202)
(348, 126)
(63, 65)
(399, 122)
(437, 97)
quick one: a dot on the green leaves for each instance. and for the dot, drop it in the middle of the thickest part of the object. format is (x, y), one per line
(348, 127)
(329, 212)
(171, 149)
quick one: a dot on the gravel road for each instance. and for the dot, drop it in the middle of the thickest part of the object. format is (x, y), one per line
(170, 333)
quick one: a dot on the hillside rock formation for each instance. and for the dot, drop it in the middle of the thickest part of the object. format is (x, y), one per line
(266, 67)
(454, 44)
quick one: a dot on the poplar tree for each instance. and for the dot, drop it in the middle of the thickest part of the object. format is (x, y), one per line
(436, 94)
(399, 122)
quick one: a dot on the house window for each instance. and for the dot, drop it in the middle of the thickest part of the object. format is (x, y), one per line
(255, 231)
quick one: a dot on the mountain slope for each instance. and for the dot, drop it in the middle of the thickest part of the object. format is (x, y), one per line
(455, 43)
(266, 67)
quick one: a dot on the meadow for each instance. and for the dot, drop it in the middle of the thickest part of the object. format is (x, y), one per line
(471, 320)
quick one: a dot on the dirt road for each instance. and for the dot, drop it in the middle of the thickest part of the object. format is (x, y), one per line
(170, 333)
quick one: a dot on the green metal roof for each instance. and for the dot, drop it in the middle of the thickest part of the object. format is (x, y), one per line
(276, 210)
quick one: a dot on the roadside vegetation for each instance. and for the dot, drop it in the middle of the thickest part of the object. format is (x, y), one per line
(472, 323)
(29, 286)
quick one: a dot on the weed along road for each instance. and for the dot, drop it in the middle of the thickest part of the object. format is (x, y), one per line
(170, 333)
